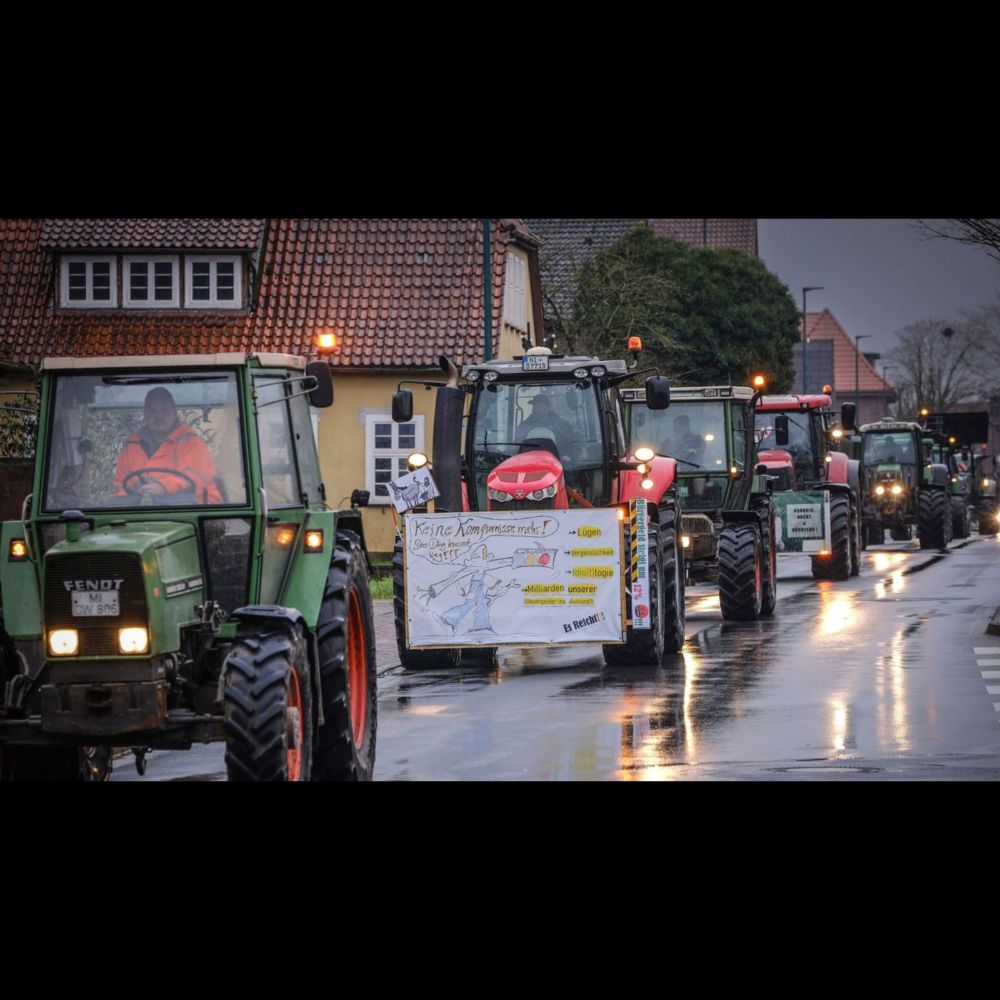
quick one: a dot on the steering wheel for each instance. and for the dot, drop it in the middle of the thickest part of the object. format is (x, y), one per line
(128, 488)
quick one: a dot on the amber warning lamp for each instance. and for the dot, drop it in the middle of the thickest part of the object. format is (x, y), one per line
(326, 343)
(759, 381)
(18, 550)
(827, 389)
(634, 347)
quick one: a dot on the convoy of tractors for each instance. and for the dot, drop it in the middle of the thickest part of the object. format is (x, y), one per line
(150, 602)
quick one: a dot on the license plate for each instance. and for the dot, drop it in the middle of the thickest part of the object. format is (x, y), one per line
(94, 604)
(535, 363)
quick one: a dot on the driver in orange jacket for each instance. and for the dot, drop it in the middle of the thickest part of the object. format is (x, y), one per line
(163, 442)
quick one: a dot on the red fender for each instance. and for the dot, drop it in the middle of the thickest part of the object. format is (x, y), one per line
(662, 471)
(837, 467)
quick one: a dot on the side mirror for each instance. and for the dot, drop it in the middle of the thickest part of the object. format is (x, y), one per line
(848, 411)
(657, 392)
(360, 498)
(322, 395)
(780, 430)
(402, 406)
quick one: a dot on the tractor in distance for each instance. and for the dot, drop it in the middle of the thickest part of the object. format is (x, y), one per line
(961, 442)
(544, 432)
(729, 520)
(812, 480)
(162, 591)
(901, 488)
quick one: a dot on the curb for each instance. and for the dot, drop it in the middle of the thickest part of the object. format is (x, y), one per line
(993, 628)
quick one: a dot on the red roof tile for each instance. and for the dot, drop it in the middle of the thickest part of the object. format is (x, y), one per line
(824, 326)
(152, 234)
(741, 234)
(315, 273)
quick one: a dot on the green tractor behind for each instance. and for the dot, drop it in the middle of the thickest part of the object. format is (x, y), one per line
(728, 517)
(901, 487)
(161, 591)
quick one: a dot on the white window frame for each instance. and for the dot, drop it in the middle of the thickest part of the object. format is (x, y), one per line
(212, 302)
(89, 302)
(172, 303)
(514, 292)
(371, 453)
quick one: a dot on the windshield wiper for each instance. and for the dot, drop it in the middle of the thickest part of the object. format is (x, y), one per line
(157, 379)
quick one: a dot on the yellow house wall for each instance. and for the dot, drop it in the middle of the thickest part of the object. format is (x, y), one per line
(341, 443)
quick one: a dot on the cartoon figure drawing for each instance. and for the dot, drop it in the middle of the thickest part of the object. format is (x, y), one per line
(481, 588)
(413, 490)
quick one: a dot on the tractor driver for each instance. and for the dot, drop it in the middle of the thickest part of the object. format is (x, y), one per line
(165, 443)
(542, 415)
(683, 442)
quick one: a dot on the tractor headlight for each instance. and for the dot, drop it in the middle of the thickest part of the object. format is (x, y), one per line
(644, 454)
(580, 373)
(490, 376)
(647, 484)
(879, 490)
(598, 371)
(549, 491)
(64, 642)
(499, 495)
(133, 640)
(896, 490)
(473, 376)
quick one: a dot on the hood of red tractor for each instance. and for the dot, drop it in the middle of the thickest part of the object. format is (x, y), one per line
(774, 457)
(532, 475)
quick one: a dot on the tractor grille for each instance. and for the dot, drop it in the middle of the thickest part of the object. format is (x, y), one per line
(548, 503)
(98, 636)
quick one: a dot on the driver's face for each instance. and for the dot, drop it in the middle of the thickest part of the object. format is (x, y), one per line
(160, 415)
(540, 409)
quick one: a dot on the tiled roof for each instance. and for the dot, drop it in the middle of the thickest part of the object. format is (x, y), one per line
(398, 293)
(740, 234)
(824, 326)
(567, 243)
(152, 234)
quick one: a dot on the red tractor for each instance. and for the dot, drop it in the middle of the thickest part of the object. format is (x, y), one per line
(795, 431)
(545, 432)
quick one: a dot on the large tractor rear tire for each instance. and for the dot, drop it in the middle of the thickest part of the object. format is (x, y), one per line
(741, 572)
(672, 579)
(345, 633)
(960, 524)
(267, 704)
(837, 565)
(413, 659)
(643, 646)
(933, 519)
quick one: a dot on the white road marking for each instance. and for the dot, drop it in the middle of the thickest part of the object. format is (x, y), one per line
(992, 690)
(986, 650)
(987, 675)
(996, 705)
(985, 663)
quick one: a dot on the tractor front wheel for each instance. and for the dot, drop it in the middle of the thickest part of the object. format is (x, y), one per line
(267, 704)
(345, 632)
(960, 525)
(741, 572)
(933, 519)
(672, 580)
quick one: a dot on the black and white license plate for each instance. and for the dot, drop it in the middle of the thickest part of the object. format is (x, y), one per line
(535, 363)
(95, 603)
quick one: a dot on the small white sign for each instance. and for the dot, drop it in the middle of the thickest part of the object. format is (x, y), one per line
(535, 363)
(413, 490)
(805, 520)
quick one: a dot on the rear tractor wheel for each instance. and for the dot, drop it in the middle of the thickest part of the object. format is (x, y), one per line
(837, 565)
(741, 572)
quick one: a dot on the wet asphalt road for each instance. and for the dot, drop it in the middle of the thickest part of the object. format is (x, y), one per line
(889, 675)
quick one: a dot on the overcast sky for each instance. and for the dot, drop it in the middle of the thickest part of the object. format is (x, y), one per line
(879, 274)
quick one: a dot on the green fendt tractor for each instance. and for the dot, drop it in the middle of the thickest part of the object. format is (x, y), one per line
(728, 517)
(177, 578)
(901, 487)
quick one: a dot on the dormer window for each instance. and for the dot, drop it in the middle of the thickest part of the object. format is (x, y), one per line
(151, 283)
(89, 282)
(213, 282)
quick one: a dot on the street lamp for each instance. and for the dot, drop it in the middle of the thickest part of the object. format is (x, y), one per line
(805, 338)
(857, 361)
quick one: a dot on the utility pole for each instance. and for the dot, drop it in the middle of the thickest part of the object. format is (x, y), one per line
(805, 338)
